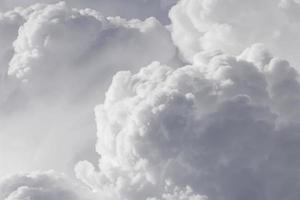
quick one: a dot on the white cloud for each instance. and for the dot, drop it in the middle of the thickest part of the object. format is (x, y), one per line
(224, 127)
(216, 127)
(61, 63)
(46, 186)
(51, 43)
(9, 24)
(234, 25)
(140, 9)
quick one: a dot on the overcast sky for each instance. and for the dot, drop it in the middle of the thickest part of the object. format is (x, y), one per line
(149, 100)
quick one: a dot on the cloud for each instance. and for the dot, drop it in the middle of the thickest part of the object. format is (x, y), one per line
(223, 127)
(234, 25)
(54, 186)
(9, 23)
(60, 64)
(42, 185)
(51, 42)
(220, 127)
(128, 9)
(283, 87)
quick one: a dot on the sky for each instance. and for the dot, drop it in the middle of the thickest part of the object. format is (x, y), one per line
(149, 100)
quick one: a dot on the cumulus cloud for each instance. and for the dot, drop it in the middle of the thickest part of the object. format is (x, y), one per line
(234, 25)
(54, 186)
(46, 186)
(220, 127)
(9, 24)
(51, 43)
(223, 127)
(140, 9)
(59, 65)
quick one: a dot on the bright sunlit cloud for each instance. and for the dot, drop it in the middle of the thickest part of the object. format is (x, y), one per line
(149, 100)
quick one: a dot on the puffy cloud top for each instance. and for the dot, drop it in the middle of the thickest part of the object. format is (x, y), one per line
(125, 8)
(9, 24)
(46, 186)
(56, 70)
(51, 42)
(216, 126)
(233, 25)
(224, 127)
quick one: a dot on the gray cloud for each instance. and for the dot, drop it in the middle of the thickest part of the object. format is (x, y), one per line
(218, 127)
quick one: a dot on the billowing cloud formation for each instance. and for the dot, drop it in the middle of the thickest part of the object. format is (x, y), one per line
(140, 9)
(53, 186)
(236, 24)
(46, 186)
(223, 127)
(56, 70)
(51, 42)
(9, 25)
